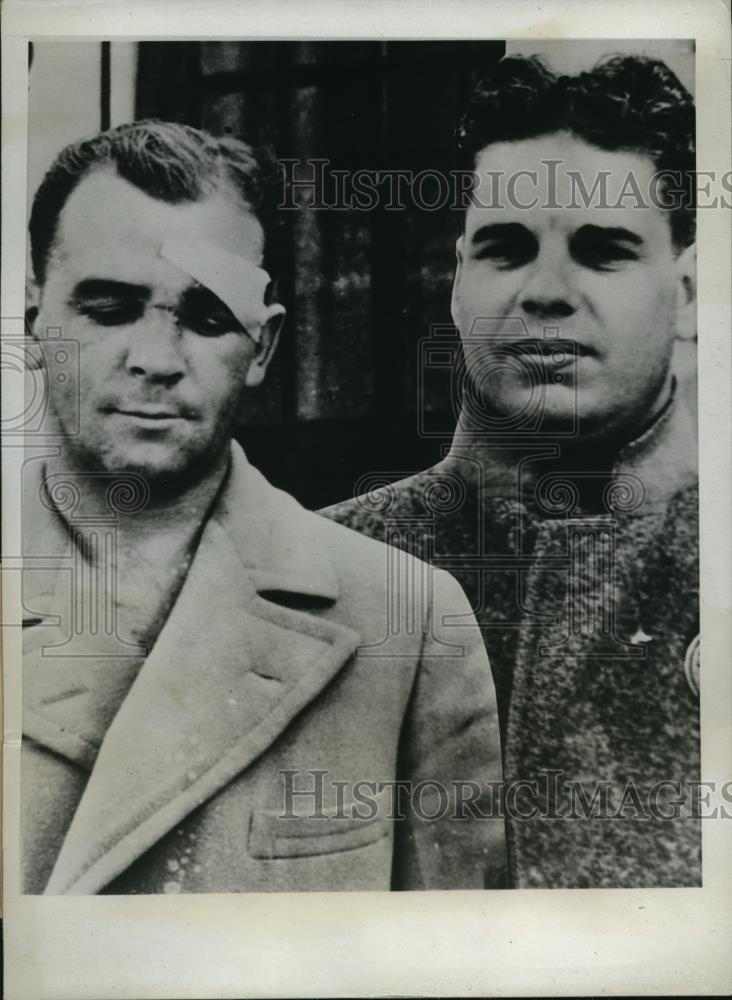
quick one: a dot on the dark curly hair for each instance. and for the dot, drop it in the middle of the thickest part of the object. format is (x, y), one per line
(172, 162)
(629, 103)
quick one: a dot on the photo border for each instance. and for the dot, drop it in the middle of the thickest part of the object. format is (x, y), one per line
(499, 943)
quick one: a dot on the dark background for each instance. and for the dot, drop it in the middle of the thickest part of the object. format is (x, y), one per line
(362, 288)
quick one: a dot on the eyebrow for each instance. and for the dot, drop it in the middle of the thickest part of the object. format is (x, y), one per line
(498, 231)
(508, 230)
(617, 233)
(99, 288)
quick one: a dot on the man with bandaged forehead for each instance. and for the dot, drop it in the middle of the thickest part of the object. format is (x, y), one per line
(222, 691)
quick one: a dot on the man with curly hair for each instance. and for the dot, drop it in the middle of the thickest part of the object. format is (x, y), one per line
(567, 505)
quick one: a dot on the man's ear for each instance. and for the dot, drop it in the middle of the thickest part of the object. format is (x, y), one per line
(33, 350)
(32, 303)
(269, 335)
(454, 302)
(686, 294)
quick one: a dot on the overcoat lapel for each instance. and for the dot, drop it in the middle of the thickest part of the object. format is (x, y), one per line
(227, 674)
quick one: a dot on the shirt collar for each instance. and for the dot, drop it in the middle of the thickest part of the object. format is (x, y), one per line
(660, 460)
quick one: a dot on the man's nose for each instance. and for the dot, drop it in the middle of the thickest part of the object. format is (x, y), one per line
(156, 348)
(549, 292)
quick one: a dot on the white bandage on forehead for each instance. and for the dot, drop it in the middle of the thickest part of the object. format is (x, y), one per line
(238, 282)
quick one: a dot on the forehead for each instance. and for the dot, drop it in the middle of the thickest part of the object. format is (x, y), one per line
(113, 229)
(555, 171)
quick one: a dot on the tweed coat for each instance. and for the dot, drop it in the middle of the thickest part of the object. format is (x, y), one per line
(587, 597)
(287, 658)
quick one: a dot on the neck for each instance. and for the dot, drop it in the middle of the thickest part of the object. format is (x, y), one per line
(598, 449)
(136, 504)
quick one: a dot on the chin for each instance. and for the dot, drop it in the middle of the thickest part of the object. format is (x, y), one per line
(161, 468)
(530, 410)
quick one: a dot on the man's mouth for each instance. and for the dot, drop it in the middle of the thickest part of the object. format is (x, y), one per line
(552, 350)
(151, 414)
(150, 411)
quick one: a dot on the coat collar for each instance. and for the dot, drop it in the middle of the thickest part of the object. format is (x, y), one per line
(665, 454)
(277, 540)
(201, 711)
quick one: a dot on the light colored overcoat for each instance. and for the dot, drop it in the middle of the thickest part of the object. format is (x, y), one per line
(297, 652)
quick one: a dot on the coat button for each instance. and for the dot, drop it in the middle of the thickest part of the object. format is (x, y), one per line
(692, 666)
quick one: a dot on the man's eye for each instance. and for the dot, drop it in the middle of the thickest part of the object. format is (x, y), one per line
(603, 256)
(112, 312)
(210, 323)
(504, 255)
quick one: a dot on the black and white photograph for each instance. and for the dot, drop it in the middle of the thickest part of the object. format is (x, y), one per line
(357, 475)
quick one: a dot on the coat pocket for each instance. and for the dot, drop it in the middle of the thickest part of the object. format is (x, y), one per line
(272, 835)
